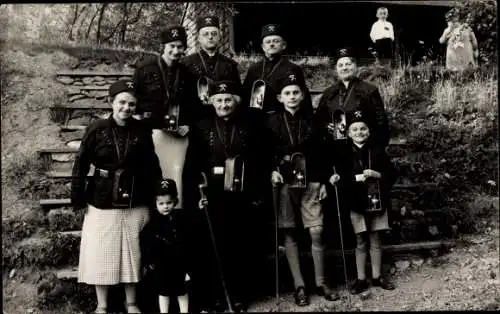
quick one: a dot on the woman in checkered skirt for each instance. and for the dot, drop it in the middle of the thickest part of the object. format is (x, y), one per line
(116, 196)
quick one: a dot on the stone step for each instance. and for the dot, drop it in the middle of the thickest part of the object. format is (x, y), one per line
(79, 73)
(72, 272)
(74, 127)
(90, 105)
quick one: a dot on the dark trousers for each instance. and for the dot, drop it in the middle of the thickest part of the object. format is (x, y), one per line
(231, 231)
(384, 48)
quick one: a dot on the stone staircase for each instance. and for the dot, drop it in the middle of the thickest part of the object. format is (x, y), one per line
(417, 226)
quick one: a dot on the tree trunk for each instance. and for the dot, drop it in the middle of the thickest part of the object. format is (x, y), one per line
(123, 30)
(99, 22)
(83, 18)
(87, 34)
(75, 17)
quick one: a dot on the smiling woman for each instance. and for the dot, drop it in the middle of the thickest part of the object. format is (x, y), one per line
(116, 197)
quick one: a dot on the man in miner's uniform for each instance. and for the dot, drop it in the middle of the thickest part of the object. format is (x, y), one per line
(167, 102)
(207, 61)
(271, 67)
(233, 206)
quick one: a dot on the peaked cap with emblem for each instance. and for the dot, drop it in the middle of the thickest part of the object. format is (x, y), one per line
(120, 87)
(174, 33)
(345, 52)
(271, 29)
(224, 87)
(291, 77)
(166, 187)
(208, 20)
(357, 116)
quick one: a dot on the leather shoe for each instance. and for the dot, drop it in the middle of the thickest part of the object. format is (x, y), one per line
(240, 307)
(383, 283)
(301, 298)
(327, 293)
(359, 286)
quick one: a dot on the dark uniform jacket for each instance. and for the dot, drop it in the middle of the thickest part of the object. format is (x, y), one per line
(206, 151)
(167, 249)
(360, 96)
(99, 148)
(306, 140)
(217, 68)
(352, 160)
(152, 93)
(270, 71)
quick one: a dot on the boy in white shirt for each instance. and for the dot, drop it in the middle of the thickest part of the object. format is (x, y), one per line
(382, 35)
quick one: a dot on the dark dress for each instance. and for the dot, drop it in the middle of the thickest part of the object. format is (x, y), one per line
(360, 96)
(270, 71)
(167, 252)
(234, 215)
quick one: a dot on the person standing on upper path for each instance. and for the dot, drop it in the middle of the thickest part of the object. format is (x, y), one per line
(167, 102)
(270, 68)
(462, 50)
(116, 197)
(207, 61)
(350, 94)
(382, 35)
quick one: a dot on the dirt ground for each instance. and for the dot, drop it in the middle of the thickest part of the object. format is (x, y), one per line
(467, 278)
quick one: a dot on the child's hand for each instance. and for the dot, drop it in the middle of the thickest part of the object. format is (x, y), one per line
(183, 130)
(203, 203)
(322, 192)
(372, 173)
(360, 177)
(334, 179)
(276, 178)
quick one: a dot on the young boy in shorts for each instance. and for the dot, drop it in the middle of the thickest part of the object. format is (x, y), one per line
(368, 174)
(292, 132)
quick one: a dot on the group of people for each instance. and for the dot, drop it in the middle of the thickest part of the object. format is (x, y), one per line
(461, 50)
(190, 180)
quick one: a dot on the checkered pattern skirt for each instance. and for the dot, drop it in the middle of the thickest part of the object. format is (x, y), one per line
(109, 251)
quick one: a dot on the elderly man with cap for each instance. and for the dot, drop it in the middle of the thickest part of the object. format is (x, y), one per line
(272, 66)
(116, 197)
(350, 94)
(232, 152)
(207, 62)
(167, 102)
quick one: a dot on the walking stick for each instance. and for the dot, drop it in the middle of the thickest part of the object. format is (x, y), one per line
(341, 237)
(202, 187)
(276, 253)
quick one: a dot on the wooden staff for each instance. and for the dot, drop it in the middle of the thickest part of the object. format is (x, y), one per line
(203, 187)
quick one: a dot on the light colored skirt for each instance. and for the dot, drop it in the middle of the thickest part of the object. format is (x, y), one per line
(171, 151)
(364, 223)
(109, 251)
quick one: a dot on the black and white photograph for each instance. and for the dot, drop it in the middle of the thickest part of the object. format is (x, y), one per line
(249, 156)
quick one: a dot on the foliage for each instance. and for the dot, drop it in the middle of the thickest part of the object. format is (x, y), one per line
(481, 15)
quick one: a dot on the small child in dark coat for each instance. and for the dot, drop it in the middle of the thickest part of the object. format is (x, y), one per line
(165, 245)
(367, 174)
